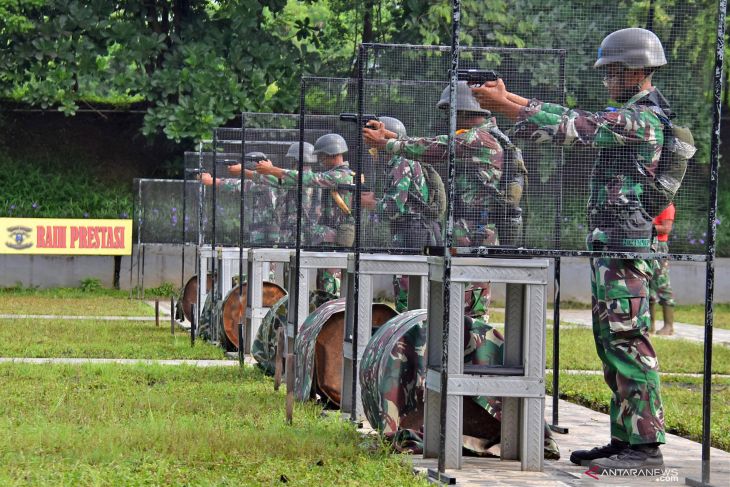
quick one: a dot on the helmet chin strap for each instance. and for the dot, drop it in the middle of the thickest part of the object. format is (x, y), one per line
(629, 92)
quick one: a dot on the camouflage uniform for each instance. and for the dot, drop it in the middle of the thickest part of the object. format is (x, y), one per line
(393, 374)
(479, 161)
(628, 138)
(332, 225)
(263, 348)
(660, 287)
(405, 196)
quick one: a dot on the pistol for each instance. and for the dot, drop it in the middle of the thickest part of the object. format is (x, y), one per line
(250, 160)
(477, 77)
(352, 117)
(194, 170)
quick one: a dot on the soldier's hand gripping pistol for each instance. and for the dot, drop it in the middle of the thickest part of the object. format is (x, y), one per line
(366, 119)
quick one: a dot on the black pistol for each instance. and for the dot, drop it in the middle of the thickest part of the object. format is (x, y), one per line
(252, 158)
(352, 117)
(477, 77)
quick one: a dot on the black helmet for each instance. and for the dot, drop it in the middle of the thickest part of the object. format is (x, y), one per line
(634, 48)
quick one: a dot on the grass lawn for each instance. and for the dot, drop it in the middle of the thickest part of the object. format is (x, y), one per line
(682, 398)
(695, 314)
(578, 352)
(157, 425)
(99, 339)
(71, 301)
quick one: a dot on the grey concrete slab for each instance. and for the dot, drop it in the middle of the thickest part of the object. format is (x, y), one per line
(74, 317)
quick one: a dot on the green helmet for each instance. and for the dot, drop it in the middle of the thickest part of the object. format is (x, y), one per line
(330, 144)
(394, 125)
(465, 101)
(634, 48)
(309, 157)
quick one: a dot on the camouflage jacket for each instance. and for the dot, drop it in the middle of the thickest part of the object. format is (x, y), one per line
(406, 182)
(479, 166)
(630, 142)
(331, 214)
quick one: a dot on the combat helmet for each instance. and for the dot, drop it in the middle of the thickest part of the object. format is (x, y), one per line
(308, 151)
(465, 101)
(394, 125)
(635, 48)
(330, 144)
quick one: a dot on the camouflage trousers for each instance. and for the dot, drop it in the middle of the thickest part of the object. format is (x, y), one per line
(329, 281)
(660, 288)
(620, 308)
(476, 298)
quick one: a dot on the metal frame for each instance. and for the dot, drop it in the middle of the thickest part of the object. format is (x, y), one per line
(521, 378)
(360, 299)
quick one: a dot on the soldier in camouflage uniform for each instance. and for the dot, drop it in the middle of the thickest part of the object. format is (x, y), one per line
(660, 287)
(337, 225)
(409, 206)
(630, 142)
(264, 225)
(479, 168)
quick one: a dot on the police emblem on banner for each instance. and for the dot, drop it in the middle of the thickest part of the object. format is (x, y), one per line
(19, 238)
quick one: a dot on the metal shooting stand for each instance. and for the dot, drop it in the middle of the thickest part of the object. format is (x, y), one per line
(371, 265)
(520, 381)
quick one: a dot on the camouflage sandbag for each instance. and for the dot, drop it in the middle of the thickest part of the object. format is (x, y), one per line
(263, 348)
(392, 374)
(305, 344)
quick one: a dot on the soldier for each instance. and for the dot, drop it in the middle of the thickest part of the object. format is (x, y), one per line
(660, 288)
(630, 140)
(337, 227)
(264, 225)
(480, 164)
(412, 204)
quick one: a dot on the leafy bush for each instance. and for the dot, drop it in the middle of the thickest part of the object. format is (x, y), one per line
(57, 189)
(90, 285)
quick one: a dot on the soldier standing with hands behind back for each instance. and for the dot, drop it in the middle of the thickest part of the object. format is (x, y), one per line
(631, 140)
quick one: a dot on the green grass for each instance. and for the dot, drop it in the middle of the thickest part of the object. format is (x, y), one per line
(98, 306)
(71, 301)
(99, 339)
(695, 314)
(578, 352)
(682, 398)
(155, 425)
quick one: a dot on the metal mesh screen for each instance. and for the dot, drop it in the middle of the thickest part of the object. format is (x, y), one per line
(221, 206)
(542, 206)
(327, 192)
(159, 211)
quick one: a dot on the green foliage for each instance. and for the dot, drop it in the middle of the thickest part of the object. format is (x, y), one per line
(56, 189)
(90, 284)
(164, 290)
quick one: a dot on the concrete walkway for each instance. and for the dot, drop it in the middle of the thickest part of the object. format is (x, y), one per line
(587, 428)
(684, 331)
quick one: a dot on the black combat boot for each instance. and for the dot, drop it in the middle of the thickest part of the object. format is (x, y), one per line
(634, 460)
(584, 457)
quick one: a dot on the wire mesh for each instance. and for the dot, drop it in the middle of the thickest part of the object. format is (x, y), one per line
(604, 156)
(327, 185)
(159, 211)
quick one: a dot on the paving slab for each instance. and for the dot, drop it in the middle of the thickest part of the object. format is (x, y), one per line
(587, 428)
(76, 318)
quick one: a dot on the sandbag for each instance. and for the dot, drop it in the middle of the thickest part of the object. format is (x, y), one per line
(319, 350)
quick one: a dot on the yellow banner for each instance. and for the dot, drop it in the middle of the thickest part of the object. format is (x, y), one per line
(62, 236)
